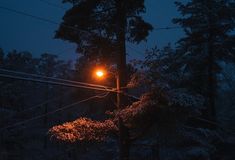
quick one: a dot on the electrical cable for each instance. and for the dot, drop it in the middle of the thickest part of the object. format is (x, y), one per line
(74, 28)
(56, 23)
(53, 4)
(52, 112)
(39, 105)
(42, 19)
(56, 83)
(229, 131)
(131, 96)
(82, 30)
(59, 6)
(52, 78)
(135, 50)
(69, 85)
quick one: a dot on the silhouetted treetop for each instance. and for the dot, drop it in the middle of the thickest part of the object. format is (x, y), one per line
(92, 25)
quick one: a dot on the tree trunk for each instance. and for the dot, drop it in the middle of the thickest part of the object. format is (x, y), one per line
(124, 142)
(211, 85)
(211, 68)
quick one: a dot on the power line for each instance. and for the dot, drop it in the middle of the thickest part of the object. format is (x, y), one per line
(160, 28)
(56, 23)
(59, 6)
(131, 96)
(52, 112)
(74, 28)
(82, 30)
(215, 124)
(56, 83)
(65, 84)
(136, 50)
(42, 19)
(52, 78)
(53, 4)
(39, 105)
(105, 88)
(51, 21)
(29, 15)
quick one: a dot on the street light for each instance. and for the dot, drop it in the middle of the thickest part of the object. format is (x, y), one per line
(99, 73)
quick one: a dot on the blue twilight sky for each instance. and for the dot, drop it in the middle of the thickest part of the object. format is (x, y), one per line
(27, 34)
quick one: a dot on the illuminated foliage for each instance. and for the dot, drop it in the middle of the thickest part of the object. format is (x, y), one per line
(151, 108)
(139, 112)
(83, 129)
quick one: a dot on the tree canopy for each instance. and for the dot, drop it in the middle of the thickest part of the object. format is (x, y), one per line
(93, 26)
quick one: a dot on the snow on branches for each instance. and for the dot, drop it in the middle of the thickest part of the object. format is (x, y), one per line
(153, 107)
(83, 129)
(158, 105)
(139, 112)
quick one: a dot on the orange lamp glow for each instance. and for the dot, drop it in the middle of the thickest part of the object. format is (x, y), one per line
(99, 73)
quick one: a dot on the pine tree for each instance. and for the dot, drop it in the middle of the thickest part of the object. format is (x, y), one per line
(100, 29)
(208, 25)
(94, 26)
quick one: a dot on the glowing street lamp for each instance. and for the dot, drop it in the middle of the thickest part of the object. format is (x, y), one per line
(99, 73)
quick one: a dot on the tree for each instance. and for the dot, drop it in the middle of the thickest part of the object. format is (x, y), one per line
(94, 26)
(100, 29)
(160, 118)
(148, 121)
(209, 39)
(17, 61)
(18, 96)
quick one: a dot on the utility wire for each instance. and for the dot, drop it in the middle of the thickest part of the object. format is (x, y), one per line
(131, 96)
(55, 111)
(39, 105)
(56, 23)
(82, 30)
(85, 31)
(28, 15)
(59, 6)
(53, 4)
(56, 83)
(229, 131)
(42, 19)
(135, 50)
(52, 78)
(66, 84)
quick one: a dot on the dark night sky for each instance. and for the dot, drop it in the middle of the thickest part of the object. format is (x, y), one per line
(26, 34)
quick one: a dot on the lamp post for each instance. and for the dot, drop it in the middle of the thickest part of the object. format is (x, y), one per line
(123, 134)
(100, 73)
